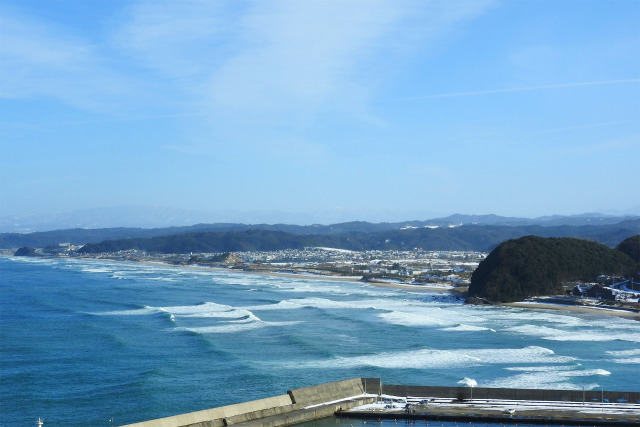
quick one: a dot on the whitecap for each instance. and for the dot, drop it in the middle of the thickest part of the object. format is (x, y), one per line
(411, 319)
(629, 361)
(95, 270)
(418, 314)
(322, 303)
(533, 354)
(578, 334)
(135, 312)
(419, 359)
(437, 359)
(208, 309)
(547, 377)
(467, 328)
(632, 352)
(235, 327)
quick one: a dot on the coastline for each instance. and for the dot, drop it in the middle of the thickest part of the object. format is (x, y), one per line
(574, 308)
(305, 274)
(301, 274)
(408, 286)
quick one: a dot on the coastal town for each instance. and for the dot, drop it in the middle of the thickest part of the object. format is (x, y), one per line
(444, 269)
(417, 269)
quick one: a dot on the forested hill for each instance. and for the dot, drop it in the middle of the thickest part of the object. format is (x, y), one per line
(464, 238)
(631, 247)
(449, 234)
(536, 266)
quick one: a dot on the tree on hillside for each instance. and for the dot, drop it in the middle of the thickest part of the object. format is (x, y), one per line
(535, 266)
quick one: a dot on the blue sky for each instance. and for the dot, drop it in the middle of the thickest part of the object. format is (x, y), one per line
(377, 109)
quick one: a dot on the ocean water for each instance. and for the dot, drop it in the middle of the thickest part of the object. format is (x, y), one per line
(86, 341)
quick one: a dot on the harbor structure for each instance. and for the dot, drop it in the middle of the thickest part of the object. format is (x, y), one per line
(369, 397)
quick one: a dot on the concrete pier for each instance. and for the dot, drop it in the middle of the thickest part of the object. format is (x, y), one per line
(365, 397)
(503, 411)
(297, 406)
(579, 407)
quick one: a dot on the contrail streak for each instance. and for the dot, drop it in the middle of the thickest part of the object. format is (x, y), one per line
(520, 89)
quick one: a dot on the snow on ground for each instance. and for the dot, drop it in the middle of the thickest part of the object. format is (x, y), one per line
(396, 403)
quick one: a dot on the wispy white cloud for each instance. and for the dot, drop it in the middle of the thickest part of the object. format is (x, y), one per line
(522, 89)
(313, 55)
(301, 55)
(178, 39)
(285, 57)
(39, 59)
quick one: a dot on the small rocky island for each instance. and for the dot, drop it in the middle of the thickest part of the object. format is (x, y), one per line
(532, 266)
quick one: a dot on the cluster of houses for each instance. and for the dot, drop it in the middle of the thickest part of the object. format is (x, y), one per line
(609, 288)
(418, 264)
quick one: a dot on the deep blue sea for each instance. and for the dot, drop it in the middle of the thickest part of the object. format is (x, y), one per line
(85, 341)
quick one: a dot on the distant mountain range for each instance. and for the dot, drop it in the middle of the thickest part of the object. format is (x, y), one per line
(457, 232)
(161, 217)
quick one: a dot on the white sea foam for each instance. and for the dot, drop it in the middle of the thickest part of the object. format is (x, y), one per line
(162, 279)
(581, 334)
(136, 312)
(628, 361)
(432, 358)
(322, 303)
(509, 315)
(634, 352)
(560, 370)
(539, 368)
(208, 309)
(237, 280)
(412, 313)
(533, 354)
(235, 327)
(467, 328)
(326, 287)
(547, 377)
(22, 259)
(95, 270)
(397, 360)
(412, 319)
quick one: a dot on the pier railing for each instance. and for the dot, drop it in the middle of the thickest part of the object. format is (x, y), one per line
(320, 401)
(508, 393)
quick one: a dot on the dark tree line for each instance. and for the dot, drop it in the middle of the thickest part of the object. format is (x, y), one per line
(535, 266)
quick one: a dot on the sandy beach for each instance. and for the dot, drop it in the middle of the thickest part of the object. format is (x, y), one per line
(304, 274)
(575, 308)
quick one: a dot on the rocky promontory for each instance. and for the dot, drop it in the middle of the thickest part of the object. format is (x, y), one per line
(536, 266)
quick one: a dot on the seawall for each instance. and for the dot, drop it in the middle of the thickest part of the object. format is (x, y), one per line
(510, 406)
(297, 406)
(324, 400)
(511, 393)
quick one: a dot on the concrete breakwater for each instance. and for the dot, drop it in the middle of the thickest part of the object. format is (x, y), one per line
(297, 406)
(324, 400)
(510, 393)
(510, 406)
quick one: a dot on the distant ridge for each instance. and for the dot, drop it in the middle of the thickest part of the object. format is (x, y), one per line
(145, 217)
(353, 236)
(553, 220)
